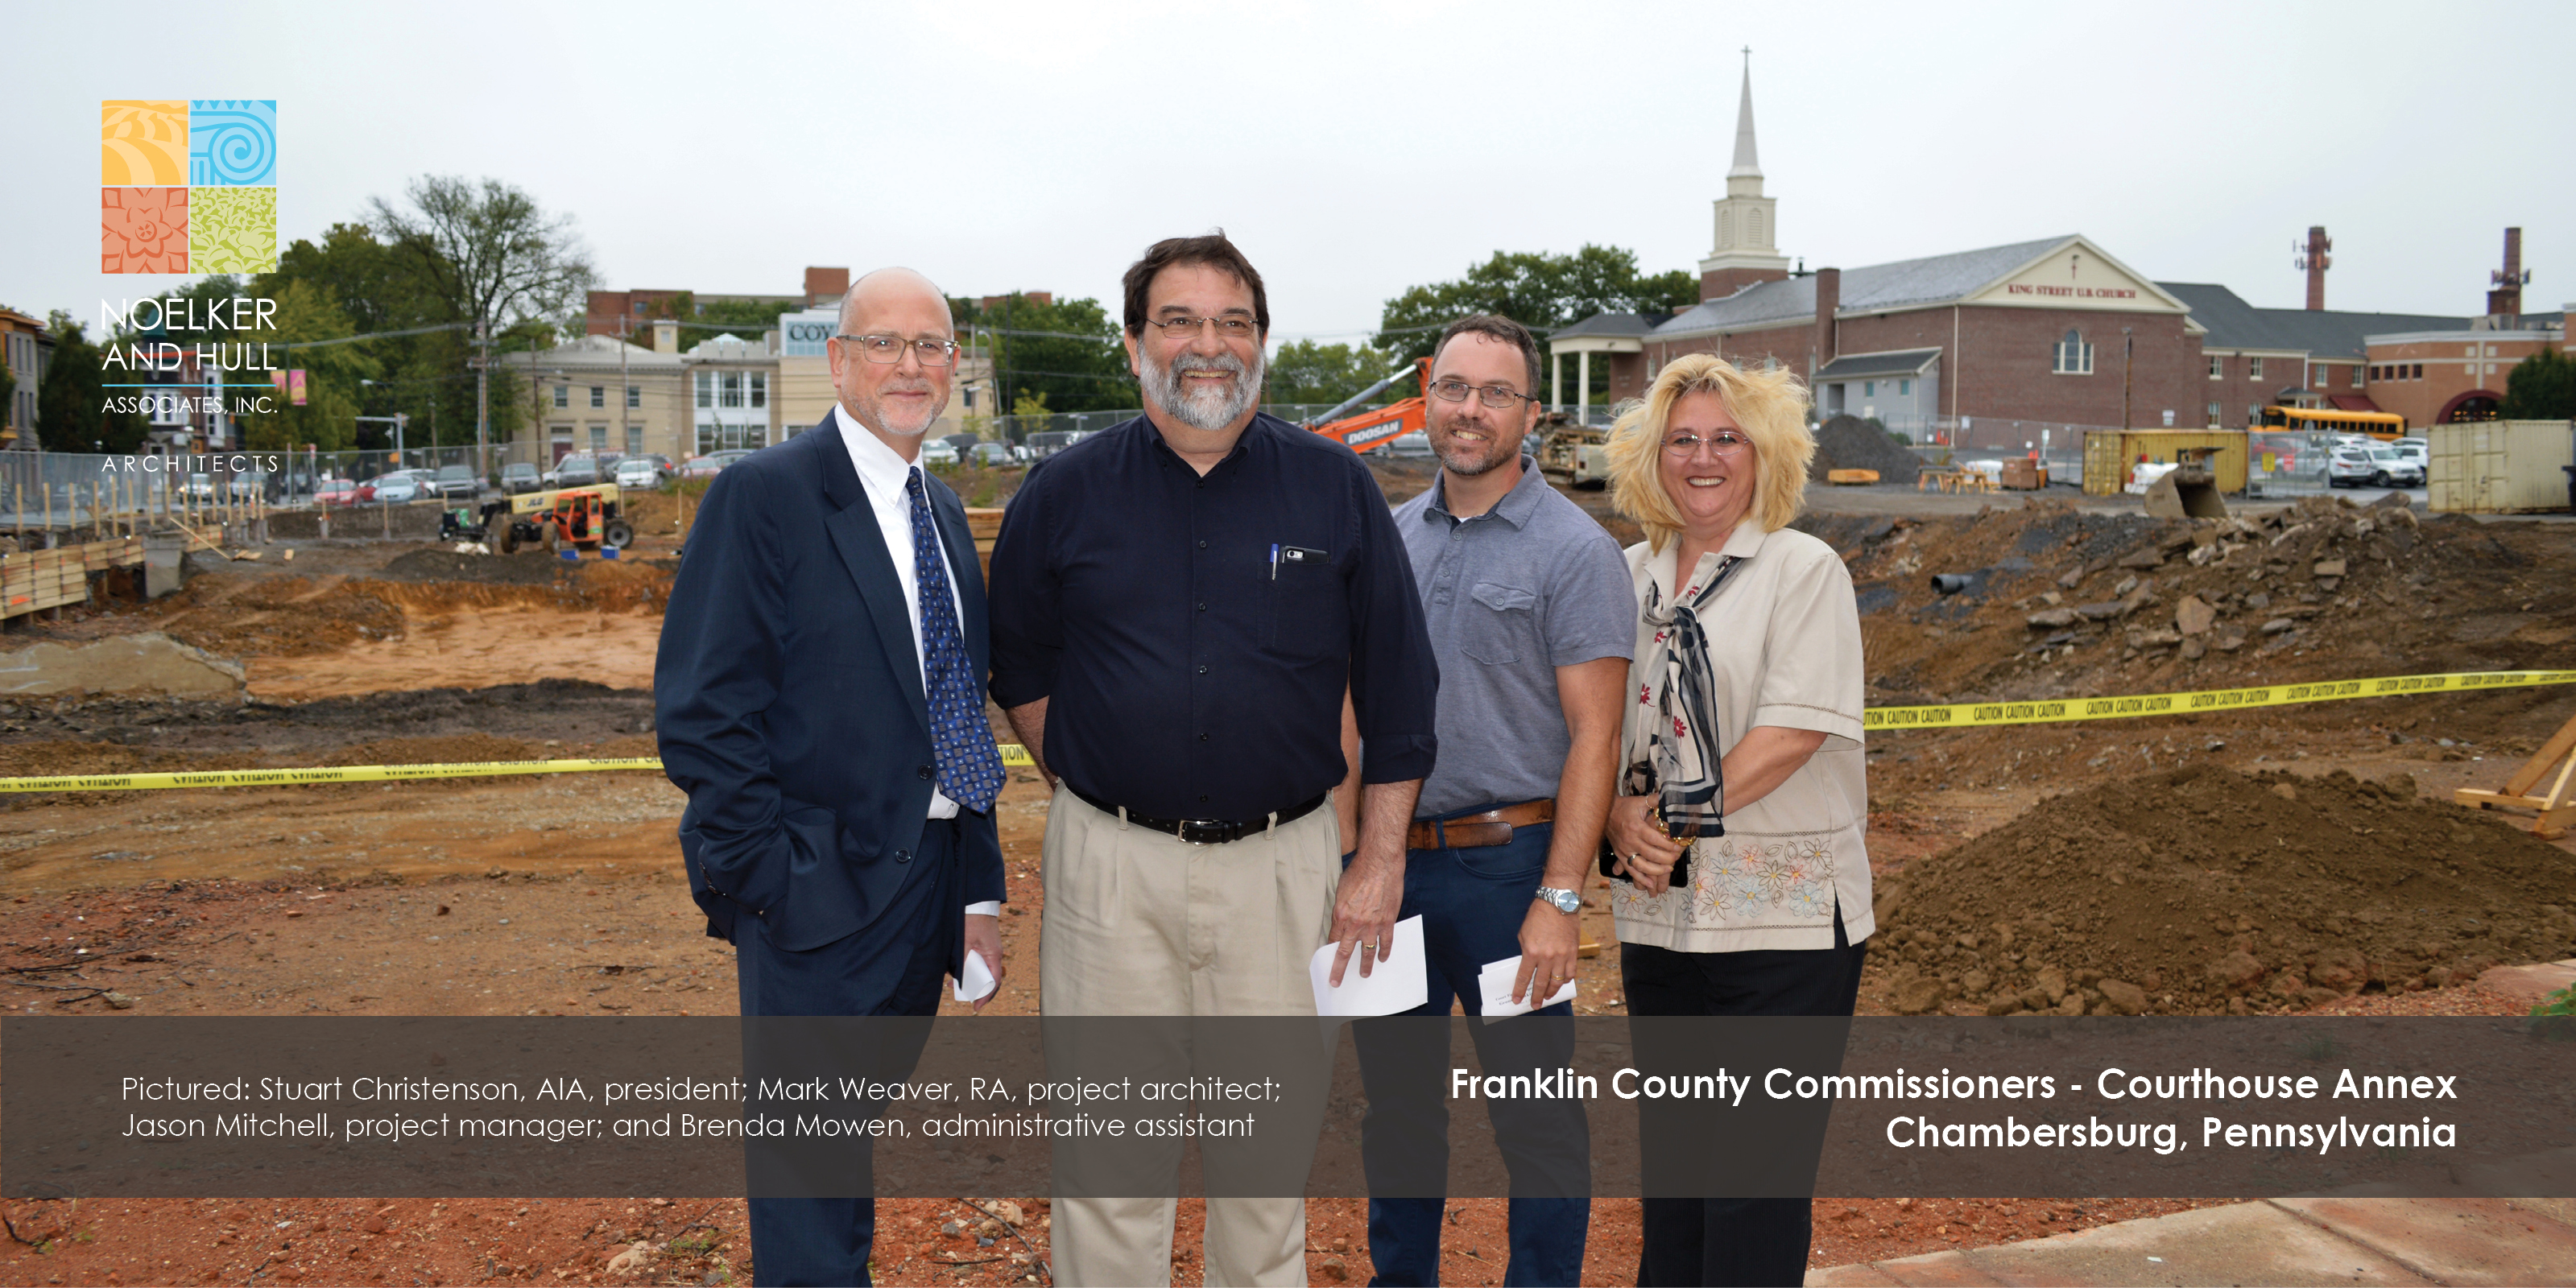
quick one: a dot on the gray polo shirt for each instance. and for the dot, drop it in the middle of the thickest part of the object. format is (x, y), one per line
(1510, 595)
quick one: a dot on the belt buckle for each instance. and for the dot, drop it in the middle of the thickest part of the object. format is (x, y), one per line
(1201, 825)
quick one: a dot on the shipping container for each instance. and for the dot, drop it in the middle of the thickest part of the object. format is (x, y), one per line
(2109, 455)
(2500, 466)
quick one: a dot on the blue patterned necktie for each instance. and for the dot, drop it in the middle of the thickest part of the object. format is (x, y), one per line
(961, 740)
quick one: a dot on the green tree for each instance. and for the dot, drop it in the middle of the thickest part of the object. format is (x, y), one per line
(72, 409)
(306, 313)
(1304, 371)
(1067, 352)
(486, 252)
(1540, 291)
(2541, 387)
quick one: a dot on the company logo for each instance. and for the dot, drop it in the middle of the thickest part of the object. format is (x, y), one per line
(187, 185)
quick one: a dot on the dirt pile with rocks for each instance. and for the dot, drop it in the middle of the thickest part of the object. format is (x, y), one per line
(525, 568)
(2204, 891)
(1850, 443)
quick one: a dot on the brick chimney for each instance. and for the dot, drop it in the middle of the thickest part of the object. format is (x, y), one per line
(2317, 259)
(825, 285)
(1829, 300)
(2505, 301)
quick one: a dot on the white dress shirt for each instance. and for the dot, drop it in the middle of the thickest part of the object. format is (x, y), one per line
(882, 475)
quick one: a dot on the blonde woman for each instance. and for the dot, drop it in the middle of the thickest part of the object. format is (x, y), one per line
(1742, 750)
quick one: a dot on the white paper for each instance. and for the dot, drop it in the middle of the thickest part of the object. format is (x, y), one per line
(978, 982)
(1495, 981)
(1396, 985)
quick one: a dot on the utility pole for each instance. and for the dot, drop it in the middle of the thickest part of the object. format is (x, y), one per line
(2128, 363)
(482, 394)
(625, 423)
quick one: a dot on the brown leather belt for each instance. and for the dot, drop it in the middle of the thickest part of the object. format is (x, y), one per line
(1493, 827)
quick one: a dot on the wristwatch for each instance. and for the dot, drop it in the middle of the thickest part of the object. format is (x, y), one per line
(1568, 902)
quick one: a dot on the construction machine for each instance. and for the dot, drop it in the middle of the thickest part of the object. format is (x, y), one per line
(583, 518)
(1572, 453)
(1377, 427)
(2189, 490)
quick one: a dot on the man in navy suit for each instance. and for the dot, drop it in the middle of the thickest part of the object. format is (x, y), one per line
(819, 696)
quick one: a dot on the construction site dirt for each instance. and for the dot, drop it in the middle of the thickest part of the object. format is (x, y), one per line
(2279, 859)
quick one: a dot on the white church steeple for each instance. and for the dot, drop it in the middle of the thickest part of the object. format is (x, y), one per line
(1747, 243)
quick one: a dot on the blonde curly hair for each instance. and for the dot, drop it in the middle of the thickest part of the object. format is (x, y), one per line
(1770, 406)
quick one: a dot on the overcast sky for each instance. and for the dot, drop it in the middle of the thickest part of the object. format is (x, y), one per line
(1356, 149)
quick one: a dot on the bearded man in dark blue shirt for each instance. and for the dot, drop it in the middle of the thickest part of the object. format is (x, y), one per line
(1180, 605)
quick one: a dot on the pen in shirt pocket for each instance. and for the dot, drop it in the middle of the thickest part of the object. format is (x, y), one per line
(1274, 561)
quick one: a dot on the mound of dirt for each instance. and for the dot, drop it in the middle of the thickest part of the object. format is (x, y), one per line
(526, 568)
(454, 749)
(1850, 443)
(2201, 891)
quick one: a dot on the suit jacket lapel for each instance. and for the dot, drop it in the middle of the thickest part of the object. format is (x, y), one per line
(853, 525)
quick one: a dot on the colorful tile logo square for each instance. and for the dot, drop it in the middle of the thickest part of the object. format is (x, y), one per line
(188, 185)
(143, 230)
(232, 230)
(142, 142)
(232, 142)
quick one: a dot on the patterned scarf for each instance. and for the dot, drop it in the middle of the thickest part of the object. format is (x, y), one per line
(1681, 762)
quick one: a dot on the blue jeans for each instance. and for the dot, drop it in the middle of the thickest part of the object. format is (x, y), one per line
(1472, 902)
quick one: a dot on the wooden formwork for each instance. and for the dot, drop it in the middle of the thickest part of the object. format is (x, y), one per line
(33, 580)
(2556, 808)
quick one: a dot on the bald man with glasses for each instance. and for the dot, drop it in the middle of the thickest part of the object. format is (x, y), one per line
(819, 694)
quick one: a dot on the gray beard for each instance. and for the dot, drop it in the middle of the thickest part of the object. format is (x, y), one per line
(1457, 462)
(1207, 411)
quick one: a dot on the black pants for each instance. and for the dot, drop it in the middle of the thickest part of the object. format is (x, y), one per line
(1731, 1241)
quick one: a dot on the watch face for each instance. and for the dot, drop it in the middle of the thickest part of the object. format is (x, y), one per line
(1564, 900)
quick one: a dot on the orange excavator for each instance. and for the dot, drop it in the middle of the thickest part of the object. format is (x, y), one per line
(1378, 426)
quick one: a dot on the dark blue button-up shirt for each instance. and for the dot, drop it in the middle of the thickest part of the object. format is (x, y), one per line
(1193, 634)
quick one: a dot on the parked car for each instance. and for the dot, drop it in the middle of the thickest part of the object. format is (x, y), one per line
(2353, 465)
(246, 485)
(2396, 468)
(637, 471)
(937, 452)
(581, 469)
(396, 488)
(661, 465)
(518, 477)
(1048, 442)
(335, 492)
(995, 454)
(458, 481)
(2417, 451)
(707, 466)
(200, 487)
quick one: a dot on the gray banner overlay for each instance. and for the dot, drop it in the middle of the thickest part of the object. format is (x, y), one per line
(1528, 1106)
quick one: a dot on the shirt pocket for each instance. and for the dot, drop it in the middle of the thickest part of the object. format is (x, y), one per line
(1309, 612)
(1497, 628)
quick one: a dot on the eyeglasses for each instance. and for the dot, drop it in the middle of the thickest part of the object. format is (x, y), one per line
(1725, 442)
(887, 350)
(1183, 328)
(1498, 397)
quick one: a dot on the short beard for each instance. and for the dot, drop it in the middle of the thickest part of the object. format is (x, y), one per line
(870, 409)
(1211, 411)
(1453, 458)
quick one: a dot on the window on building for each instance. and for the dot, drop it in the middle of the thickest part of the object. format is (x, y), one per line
(2253, 413)
(759, 389)
(563, 395)
(1753, 227)
(706, 389)
(2217, 367)
(729, 387)
(1725, 227)
(2356, 377)
(1904, 388)
(1869, 389)
(599, 395)
(599, 438)
(2074, 357)
(2253, 368)
(2419, 372)
(635, 440)
(709, 439)
(968, 393)
(634, 395)
(2214, 414)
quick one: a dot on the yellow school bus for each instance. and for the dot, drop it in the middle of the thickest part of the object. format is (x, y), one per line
(2382, 425)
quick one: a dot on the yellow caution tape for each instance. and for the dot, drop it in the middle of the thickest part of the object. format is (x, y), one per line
(1959, 715)
(1012, 754)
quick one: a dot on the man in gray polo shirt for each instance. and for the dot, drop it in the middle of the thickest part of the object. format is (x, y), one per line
(1532, 618)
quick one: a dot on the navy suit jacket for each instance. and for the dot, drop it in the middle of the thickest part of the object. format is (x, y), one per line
(788, 700)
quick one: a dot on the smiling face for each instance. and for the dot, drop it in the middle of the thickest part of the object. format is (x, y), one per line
(1713, 492)
(1472, 437)
(897, 399)
(1200, 379)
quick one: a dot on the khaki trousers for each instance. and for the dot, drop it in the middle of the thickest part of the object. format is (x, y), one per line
(1139, 922)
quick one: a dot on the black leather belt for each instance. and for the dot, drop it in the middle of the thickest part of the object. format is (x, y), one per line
(1203, 831)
